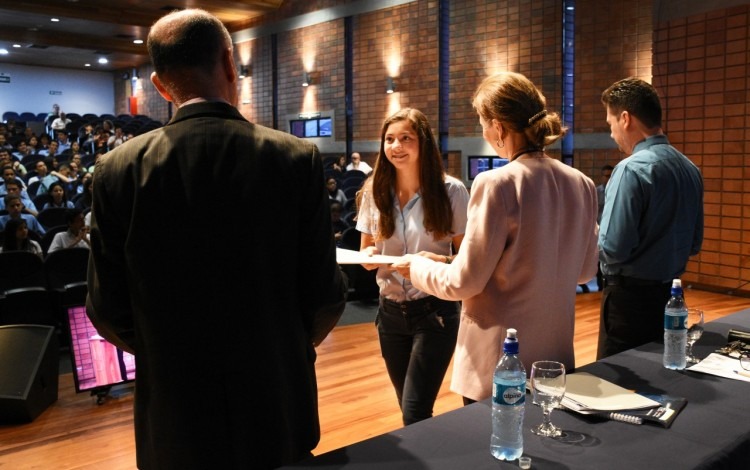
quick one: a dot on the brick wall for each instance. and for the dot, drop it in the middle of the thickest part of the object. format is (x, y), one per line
(489, 36)
(612, 41)
(697, 63)
(701, 71)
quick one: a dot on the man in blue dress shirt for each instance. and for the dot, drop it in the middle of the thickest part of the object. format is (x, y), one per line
(652, 220)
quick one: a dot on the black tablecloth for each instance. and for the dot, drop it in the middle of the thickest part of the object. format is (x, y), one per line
(713, 431)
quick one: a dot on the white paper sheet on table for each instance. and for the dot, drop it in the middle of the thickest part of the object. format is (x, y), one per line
(588, 393)
(357, 257)
(723, 366)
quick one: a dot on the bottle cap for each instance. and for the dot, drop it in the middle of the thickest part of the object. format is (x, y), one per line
(676, 283)
(510, 346)
(524, 462)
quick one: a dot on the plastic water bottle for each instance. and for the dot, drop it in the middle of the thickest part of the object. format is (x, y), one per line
(508, 397)
(675, 329)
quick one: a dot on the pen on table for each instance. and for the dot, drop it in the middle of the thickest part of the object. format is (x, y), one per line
(742, 373)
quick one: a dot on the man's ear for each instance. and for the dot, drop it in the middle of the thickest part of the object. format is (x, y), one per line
(160, 87)
(626, 119)
(230, 69)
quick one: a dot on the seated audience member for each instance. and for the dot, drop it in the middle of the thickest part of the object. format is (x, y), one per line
(117, 139)
(358, 164)
(51, 150)
(14, 206)
(4, 144)
(22, 151)
(69, 179)
(333, 191)
(16, 238)
(83, 202)
(33, 144)
(43, 142)
(63, 143)
(100, 144)
(51, 117)
(337, 224)
(60, 123)
(59, 197)
(77, 235)
(6, 160)
(14, 187)
(86, 135)
(339, 167)
(41, 172)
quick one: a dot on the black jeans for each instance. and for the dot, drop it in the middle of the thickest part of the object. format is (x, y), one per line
(417, 340)
(631, 315)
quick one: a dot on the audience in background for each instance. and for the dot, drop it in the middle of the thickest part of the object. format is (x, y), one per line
(77, 235)
(60, 123)
(14, 187)
(59, 197)
(333, 192)
(6, 160)
(14, 206)
(358, 164)
(16, 238)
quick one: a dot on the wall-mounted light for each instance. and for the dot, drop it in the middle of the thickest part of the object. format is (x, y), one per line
(244, 71)
(390, 85)
(306, 79)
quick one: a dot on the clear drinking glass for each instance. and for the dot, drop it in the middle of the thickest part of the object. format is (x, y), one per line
(694, 332)
(548, 387)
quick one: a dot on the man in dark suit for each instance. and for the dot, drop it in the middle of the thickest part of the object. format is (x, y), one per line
(221, 311)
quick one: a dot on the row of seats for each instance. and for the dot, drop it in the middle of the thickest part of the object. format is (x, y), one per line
(41, 117)
(36, 291)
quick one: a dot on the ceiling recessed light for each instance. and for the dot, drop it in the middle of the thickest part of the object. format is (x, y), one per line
(16, 45)
(55, 20)
(138, 41)
(87, 65)
(103, 61)
(3, 51)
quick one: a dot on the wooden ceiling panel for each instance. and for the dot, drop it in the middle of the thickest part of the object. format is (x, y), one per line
(88, 30)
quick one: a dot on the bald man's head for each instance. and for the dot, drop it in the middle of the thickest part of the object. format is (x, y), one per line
(187, 39)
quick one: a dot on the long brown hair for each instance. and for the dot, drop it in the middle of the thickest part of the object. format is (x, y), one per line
(438, 214)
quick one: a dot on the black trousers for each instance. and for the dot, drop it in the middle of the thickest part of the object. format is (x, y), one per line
(417, 340)
(631, 315)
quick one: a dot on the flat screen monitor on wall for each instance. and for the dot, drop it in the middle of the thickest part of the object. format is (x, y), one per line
(478, 164)
(315, 127)
(97, 363)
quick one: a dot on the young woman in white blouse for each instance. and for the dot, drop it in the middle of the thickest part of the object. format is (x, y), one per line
(410, 205)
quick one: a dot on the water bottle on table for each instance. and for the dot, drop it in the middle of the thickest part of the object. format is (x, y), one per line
(675, 330)
(508, 397)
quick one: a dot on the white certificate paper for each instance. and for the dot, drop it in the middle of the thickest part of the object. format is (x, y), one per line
(357, 257)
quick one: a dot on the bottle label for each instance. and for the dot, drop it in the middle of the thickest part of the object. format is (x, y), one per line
(508, 394)
(675, 322)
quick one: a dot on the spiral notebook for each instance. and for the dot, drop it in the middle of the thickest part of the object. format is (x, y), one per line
(663, 415)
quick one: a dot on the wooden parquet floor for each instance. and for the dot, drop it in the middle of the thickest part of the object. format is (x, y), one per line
(356, 399)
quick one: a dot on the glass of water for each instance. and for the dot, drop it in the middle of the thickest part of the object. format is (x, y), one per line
(548, 387)
(694, 332)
